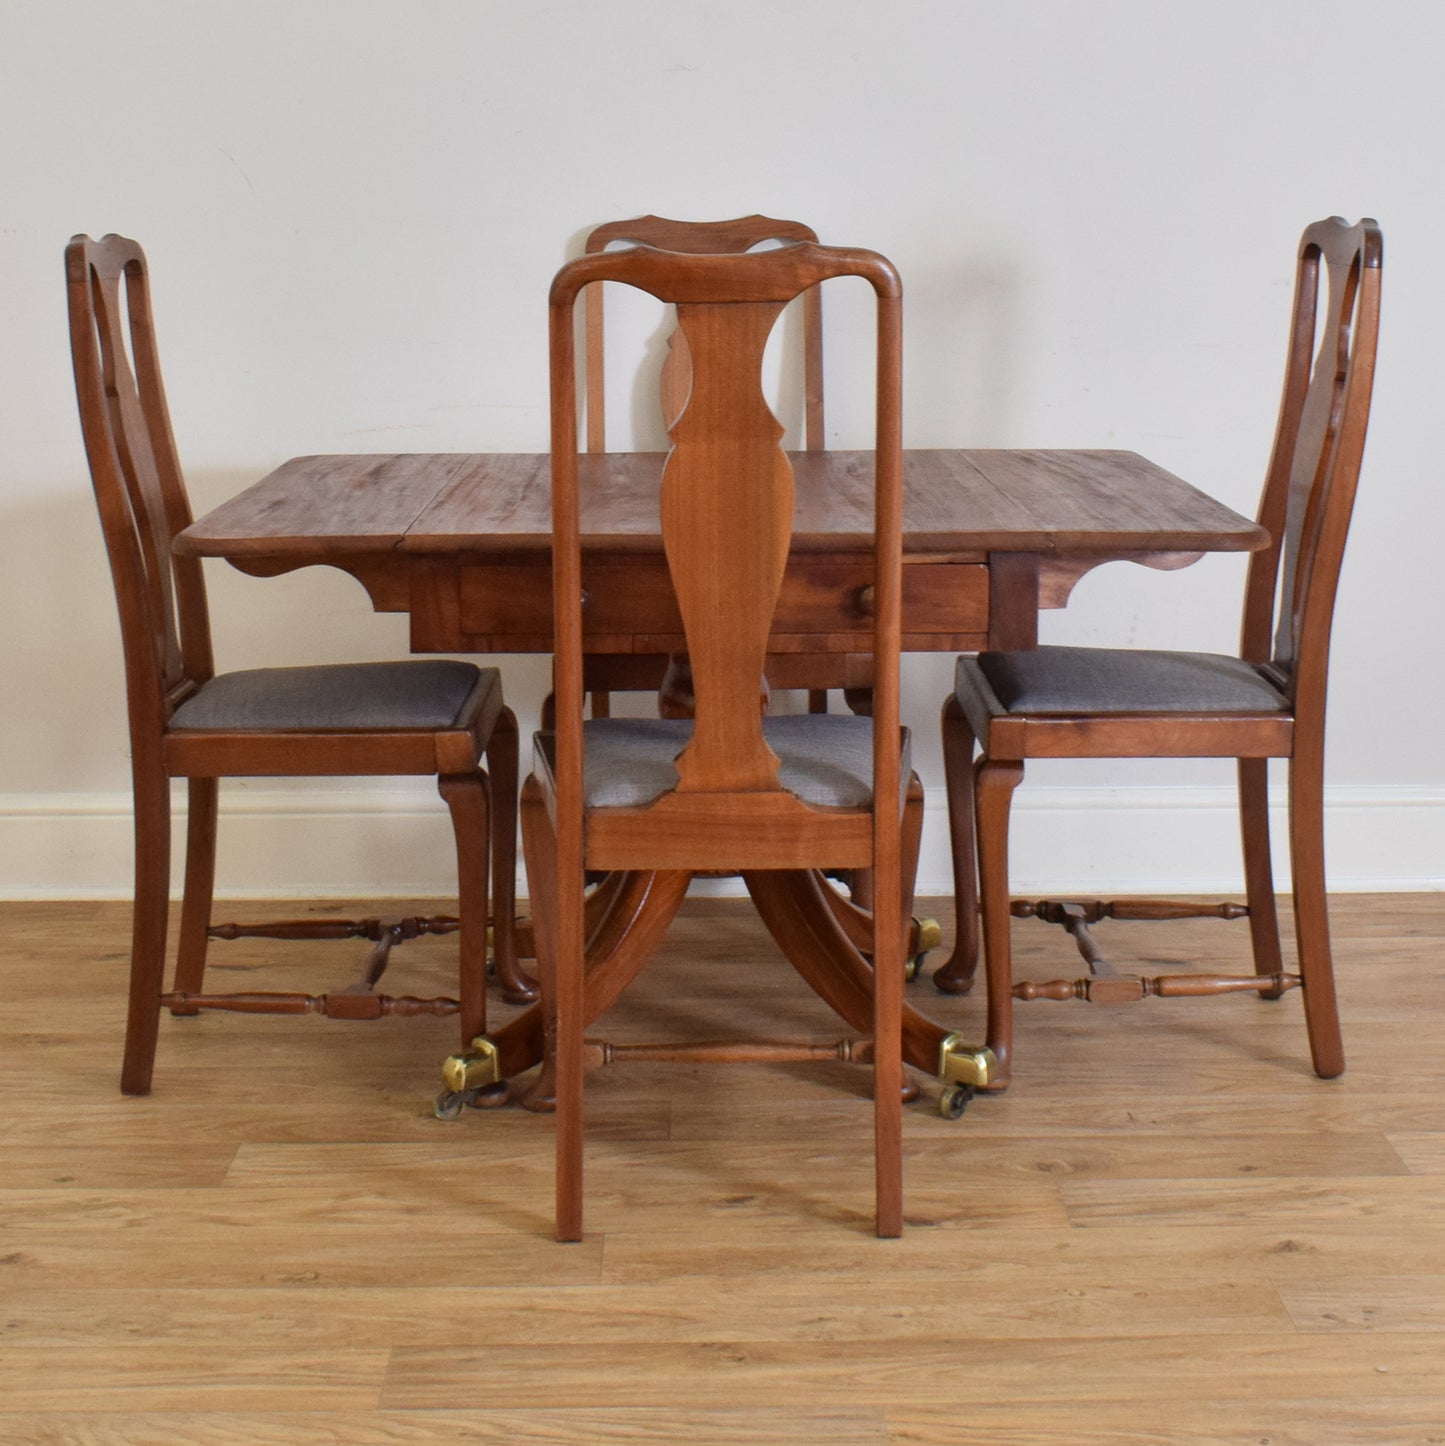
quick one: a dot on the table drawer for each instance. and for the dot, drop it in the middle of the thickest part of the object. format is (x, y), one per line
(825, 604)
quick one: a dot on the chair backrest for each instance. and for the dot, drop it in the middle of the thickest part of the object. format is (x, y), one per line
(698, 238)
(137, 479)
(1309, 490)
(726, 504)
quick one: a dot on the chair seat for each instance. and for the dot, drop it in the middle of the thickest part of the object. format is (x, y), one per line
(826, 760)
(1120, 680)
(425, 694)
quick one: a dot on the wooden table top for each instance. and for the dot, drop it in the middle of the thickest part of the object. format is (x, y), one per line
(1053, 503)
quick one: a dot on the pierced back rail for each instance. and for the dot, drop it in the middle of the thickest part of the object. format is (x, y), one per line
(1314, 468)
(136, 475)
(698, 238)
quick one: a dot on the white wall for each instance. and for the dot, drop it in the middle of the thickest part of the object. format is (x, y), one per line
(352, 210)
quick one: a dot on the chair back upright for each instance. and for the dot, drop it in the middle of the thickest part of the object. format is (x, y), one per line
(1309, 489)
(139, 489)
(740, 234)
(726, 506)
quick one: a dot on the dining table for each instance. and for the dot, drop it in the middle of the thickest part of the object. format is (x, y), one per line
(461, 543)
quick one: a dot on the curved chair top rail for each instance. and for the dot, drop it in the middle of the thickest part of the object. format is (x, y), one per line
(741, 233)
(1313, 474)
(136, 474)
(738, 234)
(773, 276)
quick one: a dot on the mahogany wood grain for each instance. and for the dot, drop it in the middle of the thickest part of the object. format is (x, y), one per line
(725, 510)
(472, 565)
(956, 503)
(700, 238)
(675, 377)
(363, 507)
(1305, 510)
(165, 634)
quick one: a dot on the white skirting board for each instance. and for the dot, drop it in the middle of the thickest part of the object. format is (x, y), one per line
(372, 841)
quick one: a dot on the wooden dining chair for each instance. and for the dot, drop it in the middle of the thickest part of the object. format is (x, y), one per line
(666, 798)
(435, 716)
(670, 676)
(1269, 702)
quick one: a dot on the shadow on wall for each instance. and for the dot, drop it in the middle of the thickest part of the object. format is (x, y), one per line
(960, 336)
(782, 371)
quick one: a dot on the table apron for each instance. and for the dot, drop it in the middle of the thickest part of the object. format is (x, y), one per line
(824, 606)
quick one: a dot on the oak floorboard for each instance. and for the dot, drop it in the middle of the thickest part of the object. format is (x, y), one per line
(996, 1261)
(179, 1377)
(1423, 1153)
(116, 1165)
(1232, 1420)
(864, 1303)
(1293, 1204)
(1275, 1113)
(1414, 1302)
(963, 1369)
(1167, 1230)
(640, 1427)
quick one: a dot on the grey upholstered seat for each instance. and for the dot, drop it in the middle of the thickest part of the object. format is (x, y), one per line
(1121, 680)
(426, 693)
(825, 759)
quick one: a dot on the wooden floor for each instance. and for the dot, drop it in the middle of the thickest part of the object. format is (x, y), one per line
(1167, 1230)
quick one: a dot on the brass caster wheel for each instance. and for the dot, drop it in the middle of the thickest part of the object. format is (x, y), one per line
(953, 1100)
(926, 935)
(490, 1096)
(449, 1104)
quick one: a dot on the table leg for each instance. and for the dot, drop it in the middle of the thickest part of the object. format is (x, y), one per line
(804, 927)
(1013, 601)
(640, 909)
(798, 915)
